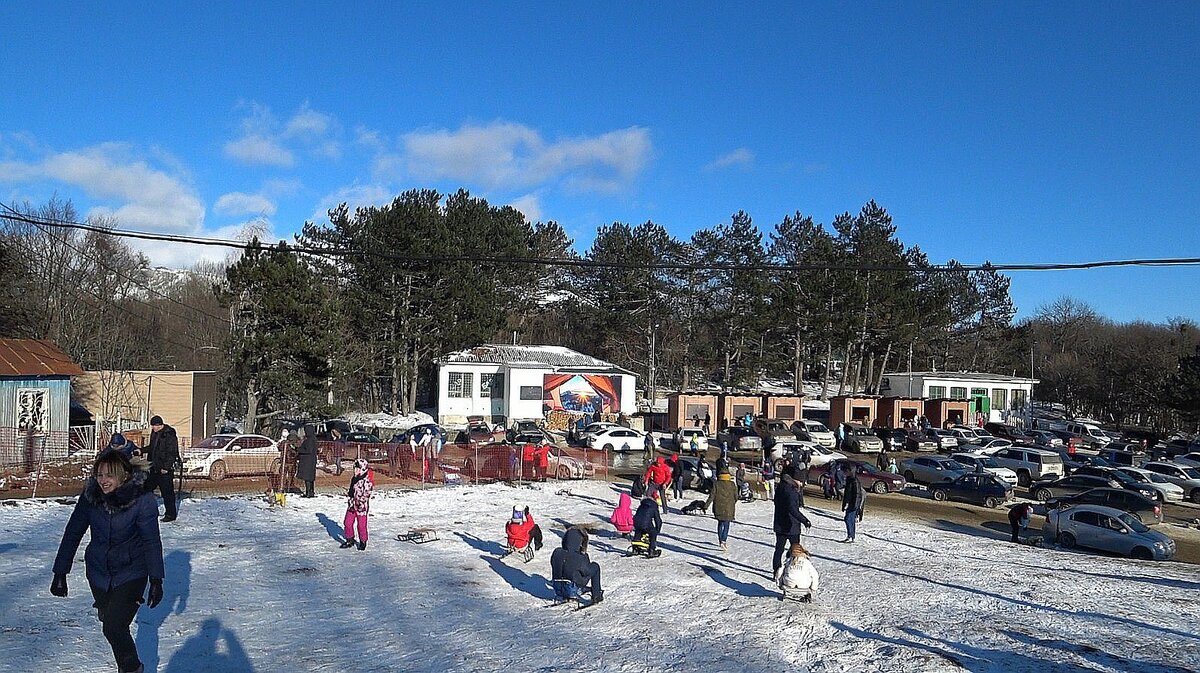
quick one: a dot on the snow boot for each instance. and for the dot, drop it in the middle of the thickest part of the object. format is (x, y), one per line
(362, 546)
(348, 543)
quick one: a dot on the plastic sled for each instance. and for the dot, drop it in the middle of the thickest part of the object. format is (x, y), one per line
(419, 535)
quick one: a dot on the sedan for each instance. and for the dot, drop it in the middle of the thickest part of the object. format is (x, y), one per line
(979, 488)
(618, 438)
(964, 435)
(917, 441)
(1107, 529)
(982, 463)
(869, 476)
(1044, 438)
(817, 454)
(1164, 489)
(932, 469)
(593, 429)
(564, 466)
(1048, 490)
(1146, 510)
(683, 440)
(698, 474)
(1187, 478)
(893, 438)
(1127, 482)
(225, 455)
(994, 444)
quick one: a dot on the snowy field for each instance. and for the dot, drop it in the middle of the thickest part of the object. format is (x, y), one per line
(250, 588)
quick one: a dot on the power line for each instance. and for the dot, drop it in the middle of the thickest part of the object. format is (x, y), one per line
(415, 260)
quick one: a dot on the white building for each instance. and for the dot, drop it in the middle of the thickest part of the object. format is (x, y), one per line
(1000, 398)
(507, 383)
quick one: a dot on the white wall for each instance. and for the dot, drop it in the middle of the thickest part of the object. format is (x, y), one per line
(628, 394)
(517, 377)
(456, 409)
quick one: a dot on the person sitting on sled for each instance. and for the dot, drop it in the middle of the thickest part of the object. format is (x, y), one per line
(572, 571)
(622, 516)
(648, 522)
(521, 531)
(799, 576)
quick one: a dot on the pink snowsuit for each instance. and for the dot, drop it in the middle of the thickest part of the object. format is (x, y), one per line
(622, 516)
(359, 505)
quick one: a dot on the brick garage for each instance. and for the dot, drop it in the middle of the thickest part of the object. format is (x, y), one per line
(683, 408)
(782, 407)
(894, 411)
(853, 409)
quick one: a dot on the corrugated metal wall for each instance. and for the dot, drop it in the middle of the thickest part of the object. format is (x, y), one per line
(60, 400)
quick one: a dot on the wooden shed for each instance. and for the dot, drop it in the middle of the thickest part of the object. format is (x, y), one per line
(782, 407)
(35, 402)
(945, 411)
(125, 400)
(733, 407)
(853, 409)
(894, 411)
(684, 408)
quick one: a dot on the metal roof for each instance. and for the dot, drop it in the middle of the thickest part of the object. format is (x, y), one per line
(554, 357)
(35, 357)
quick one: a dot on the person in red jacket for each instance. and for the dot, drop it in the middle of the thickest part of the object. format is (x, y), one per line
(541, 460)
(659, 474)
(527, 461)
(521, 531)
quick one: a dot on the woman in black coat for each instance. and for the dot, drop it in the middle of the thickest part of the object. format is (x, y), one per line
(306, 460)
(124, 553)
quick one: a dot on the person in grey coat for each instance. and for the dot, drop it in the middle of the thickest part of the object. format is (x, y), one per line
(306, 460)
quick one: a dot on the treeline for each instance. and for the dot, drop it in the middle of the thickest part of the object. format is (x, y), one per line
(354, 314)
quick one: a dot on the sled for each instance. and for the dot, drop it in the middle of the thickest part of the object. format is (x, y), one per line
(565, 593)
(419, 535)
(795, 595)
(525, 553)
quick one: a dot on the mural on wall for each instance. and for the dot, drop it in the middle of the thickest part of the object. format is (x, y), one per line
(582, 393)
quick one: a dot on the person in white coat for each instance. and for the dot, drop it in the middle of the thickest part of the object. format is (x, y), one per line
(800, 576)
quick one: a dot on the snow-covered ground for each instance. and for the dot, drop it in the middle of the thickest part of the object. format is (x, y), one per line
(251, 588)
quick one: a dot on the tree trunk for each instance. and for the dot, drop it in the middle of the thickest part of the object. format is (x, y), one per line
(828, 369)
(250, 423)
(887, 354)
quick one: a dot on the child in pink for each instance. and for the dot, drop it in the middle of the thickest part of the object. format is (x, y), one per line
(361, 486)
(622, 516)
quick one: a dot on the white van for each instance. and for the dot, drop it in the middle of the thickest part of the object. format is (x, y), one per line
(1092, 434)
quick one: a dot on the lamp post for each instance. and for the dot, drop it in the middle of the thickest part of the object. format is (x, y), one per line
(1029, 408)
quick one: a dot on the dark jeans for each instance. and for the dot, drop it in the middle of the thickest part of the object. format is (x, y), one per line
(562, 587)
(677, 487)
(116, 609)
(851, 521)
(165, 483)
(723, 530)
(1016, 530)
(781, 545)
(308, 489)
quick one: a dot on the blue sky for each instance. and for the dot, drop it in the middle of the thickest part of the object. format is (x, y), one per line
(1009, 132)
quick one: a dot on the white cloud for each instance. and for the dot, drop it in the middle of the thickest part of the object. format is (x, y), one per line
(255, 149)
(508, 155)
(530, 206)
(368, 138)
(740, 157)
(354, 196)
(307, 122)
(240, 203)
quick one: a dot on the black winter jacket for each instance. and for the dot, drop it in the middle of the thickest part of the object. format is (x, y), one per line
(852, 496)
(306, 455)
(788, 517)
(164, 449)
(570, 562)
(647, 516)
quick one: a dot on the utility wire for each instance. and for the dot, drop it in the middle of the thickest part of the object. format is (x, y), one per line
(416, 260)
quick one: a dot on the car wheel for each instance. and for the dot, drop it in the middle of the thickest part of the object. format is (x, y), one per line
(217, 472)
(992, 503)
(1042, 494)
(1066, 539)
(564, 472)
(879, 487)
(940, 495)
(1196, 496)
(1162, 499)
(1141, 553)
(908, 476)
(608, 447)
(1023, 478)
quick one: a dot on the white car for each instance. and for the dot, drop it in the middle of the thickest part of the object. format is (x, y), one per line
(991, 446)
(683, 439)
(591, 430)
(618, 438)
(564, 466)
(1187, 478)
(225, 455)
(965, 435)
(1188, 459)
(1163, 487)
(818, 455)
(976, 461)
(814, 431)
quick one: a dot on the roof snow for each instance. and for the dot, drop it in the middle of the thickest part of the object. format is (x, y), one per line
(557, 357)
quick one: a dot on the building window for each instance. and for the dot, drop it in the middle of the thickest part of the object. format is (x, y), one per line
(491, 385)
(33, 413)
(936, 392)
(999, 398)
(1018, 399)
(531, 392)
(958, 393)
(979, 392)
(459, 384)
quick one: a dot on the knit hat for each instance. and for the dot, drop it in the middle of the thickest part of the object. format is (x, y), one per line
(518, 513)
(117, 440)
(156, 420)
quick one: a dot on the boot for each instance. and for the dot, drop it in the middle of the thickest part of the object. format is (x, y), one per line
(348, 543)
(362, 546)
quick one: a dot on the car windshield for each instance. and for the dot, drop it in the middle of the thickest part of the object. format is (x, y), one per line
(213, 443)
(1133, 522)
(1156, 477)
(1191, 472)
(955, 465)
(813, 426)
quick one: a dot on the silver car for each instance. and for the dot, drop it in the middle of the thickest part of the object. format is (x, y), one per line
(1106, 529)
(932, 469)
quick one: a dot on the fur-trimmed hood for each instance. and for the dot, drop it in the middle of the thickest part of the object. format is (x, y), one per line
(122, 498)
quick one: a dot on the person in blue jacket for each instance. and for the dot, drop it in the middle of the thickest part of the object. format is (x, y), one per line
(125, 551)
(647, 521)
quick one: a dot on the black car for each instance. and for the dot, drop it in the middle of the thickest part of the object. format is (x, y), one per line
(980, 488)
(1149, 511)
(1127, 482)
(893, 438)
(1076, 483)
(919, 441)
(1072, 462)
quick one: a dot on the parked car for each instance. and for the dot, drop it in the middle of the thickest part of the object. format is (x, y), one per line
(534, 437)
(1044, 438)
(740, 438)
(698, 473)
(1163, 488)
(1178, 447)
(230, 455)
(1127, 482)
(869, 476)
(931, 469)
(618, 438)
(771, 431)
(860, 439)
(1057, 488)
(565, 466)
(1070, 439)
(591, 430)
(1073, 462)
(919, 441)
(814, 431)
(1147, 511)
(964, 434)
(947, 442)
(979, 462)
(479, 431)
(1188, 459)
(893, 438)
(1030, 464)
(980, 488)
(1090, 433)
(1119, 457)
(817, 454)
(523, 425)
(1009, 432)
(683, 439)
(994, 444)
(1187, 478)
(1106, 529)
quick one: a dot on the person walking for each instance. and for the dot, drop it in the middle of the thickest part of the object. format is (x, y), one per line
(306, 460)
(676, 477)
(768, 477)
(362, 484)
(123, 555)
(853, 500)
(723, 500)
(164, 453)
(648, 448)
(789, 522)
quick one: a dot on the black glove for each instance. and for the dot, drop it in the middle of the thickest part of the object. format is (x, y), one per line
(156, 593)
(59, 586)
(526, 510)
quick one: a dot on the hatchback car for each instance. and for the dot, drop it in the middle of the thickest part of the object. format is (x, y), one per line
(814, 431)
(932, 469)
(229, 455)
(1049, 490)
(1187, 478)
(1107, 529)
(980, 488)
(1146, 510)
